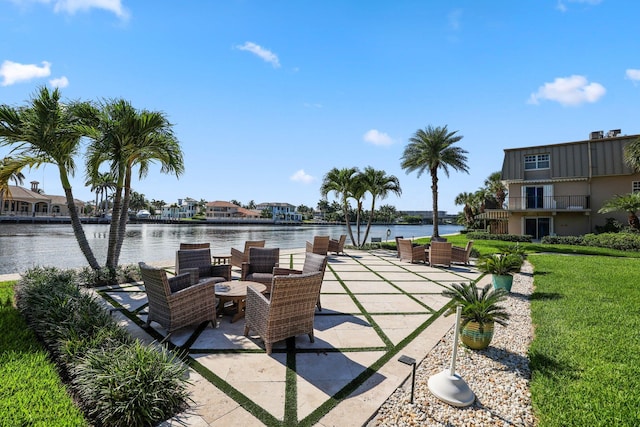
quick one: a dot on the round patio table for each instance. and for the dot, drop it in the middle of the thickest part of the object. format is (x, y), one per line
(235, 291)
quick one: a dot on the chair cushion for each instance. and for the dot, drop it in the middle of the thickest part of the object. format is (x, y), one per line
(259, 277)
(179, 283)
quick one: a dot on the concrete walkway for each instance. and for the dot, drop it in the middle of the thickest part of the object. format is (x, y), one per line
(375, 308)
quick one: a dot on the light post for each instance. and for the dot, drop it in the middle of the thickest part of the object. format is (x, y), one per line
(410, 361)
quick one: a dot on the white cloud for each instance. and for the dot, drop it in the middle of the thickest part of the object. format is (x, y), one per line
(261, 52)
(454, 19)
(573, 90)
(310, 105)
(13, 72)
(302, 176)
(377, 138)
(633, 74)
(562, 7)
(73, 6)
(59, 82)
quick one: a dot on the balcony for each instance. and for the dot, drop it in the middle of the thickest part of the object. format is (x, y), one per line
(549, 203)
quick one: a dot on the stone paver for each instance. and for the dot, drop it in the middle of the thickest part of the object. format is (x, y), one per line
(373, 304)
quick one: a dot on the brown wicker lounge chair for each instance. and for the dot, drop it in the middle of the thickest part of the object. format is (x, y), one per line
(259, 267)
(175, 302)
(411, 253)
(461, 255)
(288, 313)
(185, 246)
(398, 245)
(200, 260)
(312, 263)
(337, 246)
(440, 253)
(319, 246)
(238, 257)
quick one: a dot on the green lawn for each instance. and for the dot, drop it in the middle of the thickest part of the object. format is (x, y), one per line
(31, 393)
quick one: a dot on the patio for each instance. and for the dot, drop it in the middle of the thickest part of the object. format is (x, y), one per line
(375, 308)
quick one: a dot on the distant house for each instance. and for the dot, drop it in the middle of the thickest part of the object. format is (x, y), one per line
(281, 212)
(184, 208)
(23, 202)
(559, 188)
(227, 210)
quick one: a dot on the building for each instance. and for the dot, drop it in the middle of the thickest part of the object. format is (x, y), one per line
(185, 208)
(559, 188)
(227, 210)
(23, 202)
(281, 212)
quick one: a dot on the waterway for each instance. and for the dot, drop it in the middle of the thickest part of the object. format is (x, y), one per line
(23, 246)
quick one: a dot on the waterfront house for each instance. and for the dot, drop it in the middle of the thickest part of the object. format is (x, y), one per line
(33, 202)
(281, 212)
(185, 208)
(226, 210)
(559, 188)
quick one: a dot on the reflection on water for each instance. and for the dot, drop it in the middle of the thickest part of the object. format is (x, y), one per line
(23, 246)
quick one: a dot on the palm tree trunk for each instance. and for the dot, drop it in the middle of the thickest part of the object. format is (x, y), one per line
(114, 226)
(345, 209)
(78, 231)
(124, 216)
(434, 195)
(373, 207)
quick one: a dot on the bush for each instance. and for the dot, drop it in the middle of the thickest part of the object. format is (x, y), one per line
(106, 276)
(483, 235)
(611, 225)
(563, 240)
(122, 381)
(620, 241)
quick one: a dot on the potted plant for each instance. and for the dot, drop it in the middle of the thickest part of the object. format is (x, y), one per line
(501, 267)
(480, 312)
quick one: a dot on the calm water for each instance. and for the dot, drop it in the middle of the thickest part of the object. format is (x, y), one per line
(23, 246)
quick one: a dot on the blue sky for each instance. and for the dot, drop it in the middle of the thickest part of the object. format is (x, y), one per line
(267, 97)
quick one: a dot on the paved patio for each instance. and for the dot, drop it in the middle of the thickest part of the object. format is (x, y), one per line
(375, 308)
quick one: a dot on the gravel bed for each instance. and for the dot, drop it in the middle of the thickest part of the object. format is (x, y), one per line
(499, 376)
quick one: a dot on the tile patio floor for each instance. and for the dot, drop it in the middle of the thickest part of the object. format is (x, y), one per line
(375, 308)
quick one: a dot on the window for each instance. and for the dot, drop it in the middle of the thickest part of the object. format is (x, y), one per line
(635, 186)
(536, 161)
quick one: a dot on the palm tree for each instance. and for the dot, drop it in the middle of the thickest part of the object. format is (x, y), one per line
(341, 183)
(629, 203)
(16, 176)
(632, 155)
(124, 137)
(496, 188)
(432, 149)
(466, 199)
(101, 184)
(379, 185)
(46, 132)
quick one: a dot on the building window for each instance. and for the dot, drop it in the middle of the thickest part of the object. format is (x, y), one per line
(536, 161)
(635, 186)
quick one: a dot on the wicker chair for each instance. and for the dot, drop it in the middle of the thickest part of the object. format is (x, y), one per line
(337, 246)
(174, 302)
(238, 257)
(440, 254)
(259, 267)
(319, 246)
(398, 245)
(312, 263)
(461, 255)
(288, 313)
(200, 260)
(184, 246)
(406, 251)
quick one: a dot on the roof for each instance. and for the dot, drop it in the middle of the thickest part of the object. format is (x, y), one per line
(21, 193)
(222, 204)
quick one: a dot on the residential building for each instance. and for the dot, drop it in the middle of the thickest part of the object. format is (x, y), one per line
(185, 208)
(227, 210)
(559, 188)
(281, 212)
(24, 202)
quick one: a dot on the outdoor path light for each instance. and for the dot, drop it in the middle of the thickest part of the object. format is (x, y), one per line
(410, 361)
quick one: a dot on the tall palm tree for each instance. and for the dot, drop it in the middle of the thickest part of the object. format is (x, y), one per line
(124, 137)
(466, 199)
(341, 183)
(16, 176)
(379, 185)
(629, 203)
(46, 132)
(432, 149)
(101, 184)
(632, 155)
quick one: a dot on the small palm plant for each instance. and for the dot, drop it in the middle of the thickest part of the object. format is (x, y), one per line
(502, 267)
(480, 311)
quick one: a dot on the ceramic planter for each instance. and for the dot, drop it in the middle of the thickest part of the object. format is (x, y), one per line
(502, 281)
(477, 336)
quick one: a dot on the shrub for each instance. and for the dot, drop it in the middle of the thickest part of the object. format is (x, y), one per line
(620, 241)
(122, 381)
(563, 240)
(483, 235)
(611, 225)
(106, 276)
(112, 393)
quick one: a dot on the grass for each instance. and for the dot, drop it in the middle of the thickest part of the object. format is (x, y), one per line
(586, 351)
(31, 392)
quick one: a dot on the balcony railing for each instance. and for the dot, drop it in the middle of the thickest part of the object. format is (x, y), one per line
(553, 203)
